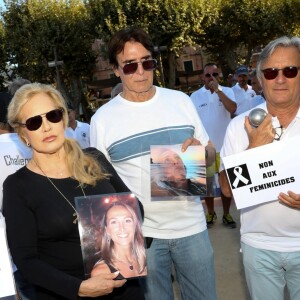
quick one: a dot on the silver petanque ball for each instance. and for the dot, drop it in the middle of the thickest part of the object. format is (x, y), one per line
(256, 116)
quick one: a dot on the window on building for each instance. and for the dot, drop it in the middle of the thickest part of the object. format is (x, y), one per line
(188, 66)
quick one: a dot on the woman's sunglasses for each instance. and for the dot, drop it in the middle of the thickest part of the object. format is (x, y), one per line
(34, 123)
(288, 72)
(148, 65)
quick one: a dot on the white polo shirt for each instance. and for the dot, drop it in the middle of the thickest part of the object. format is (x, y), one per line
(269, 226)
(245, 100)
(14, 154)
(81, 134)
(212, 113)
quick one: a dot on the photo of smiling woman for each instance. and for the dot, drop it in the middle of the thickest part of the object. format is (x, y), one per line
(120, 242)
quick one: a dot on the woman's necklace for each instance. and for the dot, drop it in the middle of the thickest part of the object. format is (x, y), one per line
(75, 214)
(130, 264)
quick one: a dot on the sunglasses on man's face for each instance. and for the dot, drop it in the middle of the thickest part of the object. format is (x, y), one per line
(288, 72)
(34, 123)
(148, 65)
(208, 75)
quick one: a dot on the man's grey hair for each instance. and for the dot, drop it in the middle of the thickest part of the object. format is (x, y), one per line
(16, 84)
(283, 41)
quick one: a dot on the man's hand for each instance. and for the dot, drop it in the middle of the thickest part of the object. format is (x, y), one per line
(213, 84)
(262, 135)
(210, 149)
(290, 199)
(189, 142)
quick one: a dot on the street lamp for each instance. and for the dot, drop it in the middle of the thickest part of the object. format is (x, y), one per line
(55, 63)
(158, 50)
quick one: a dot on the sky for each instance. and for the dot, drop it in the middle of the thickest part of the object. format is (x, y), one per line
(1, 4)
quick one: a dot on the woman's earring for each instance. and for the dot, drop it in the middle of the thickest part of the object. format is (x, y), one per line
(27, 144)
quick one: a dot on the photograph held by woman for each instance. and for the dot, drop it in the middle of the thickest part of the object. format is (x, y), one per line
(121, 243)
(38, 201)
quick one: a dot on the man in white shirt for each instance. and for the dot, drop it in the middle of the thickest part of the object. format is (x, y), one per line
(243, 92)
(215, 104)
(270, 232)
(14, 154)
(124, 130)
(77, 130)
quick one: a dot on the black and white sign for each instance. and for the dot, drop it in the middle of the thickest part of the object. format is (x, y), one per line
(258, 175)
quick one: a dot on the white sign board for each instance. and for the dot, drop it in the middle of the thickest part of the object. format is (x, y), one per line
(258, 175)
(7, 284)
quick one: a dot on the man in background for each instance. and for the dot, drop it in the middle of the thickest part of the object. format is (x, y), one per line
(215, 104)
(77, 130)
(243, 92)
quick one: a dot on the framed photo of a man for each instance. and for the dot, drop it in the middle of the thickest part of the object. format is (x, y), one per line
(175, 173)
(111, 235)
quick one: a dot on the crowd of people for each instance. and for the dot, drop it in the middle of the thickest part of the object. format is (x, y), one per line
(52, 158)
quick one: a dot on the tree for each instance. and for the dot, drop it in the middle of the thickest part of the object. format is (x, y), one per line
(4, 73)
(38, 31)
(232, 29)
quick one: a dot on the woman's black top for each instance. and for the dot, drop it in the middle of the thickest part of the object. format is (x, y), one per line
(44, 241)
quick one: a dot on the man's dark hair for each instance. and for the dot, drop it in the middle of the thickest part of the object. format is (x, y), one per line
(119, 39)
(210, 64)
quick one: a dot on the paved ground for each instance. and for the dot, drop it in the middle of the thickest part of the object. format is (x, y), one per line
(230, 279)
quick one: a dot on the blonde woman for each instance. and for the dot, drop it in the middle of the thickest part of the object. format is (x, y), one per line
(38, 201)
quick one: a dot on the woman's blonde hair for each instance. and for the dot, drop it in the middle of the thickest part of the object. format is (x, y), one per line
(83, 167)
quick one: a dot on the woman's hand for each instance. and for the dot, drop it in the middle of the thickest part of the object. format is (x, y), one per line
(100, 285)
(290, 199)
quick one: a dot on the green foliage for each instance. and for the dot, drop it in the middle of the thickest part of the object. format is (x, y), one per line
(169, 22)
(234, 29)
(37, 30)
(229, 30)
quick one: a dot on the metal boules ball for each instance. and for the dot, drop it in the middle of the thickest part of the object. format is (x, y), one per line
(256, 116)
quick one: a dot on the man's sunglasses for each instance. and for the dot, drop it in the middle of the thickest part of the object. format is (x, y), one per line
(208, 75)
(148, 65)
(34, 123)
(288, 72)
